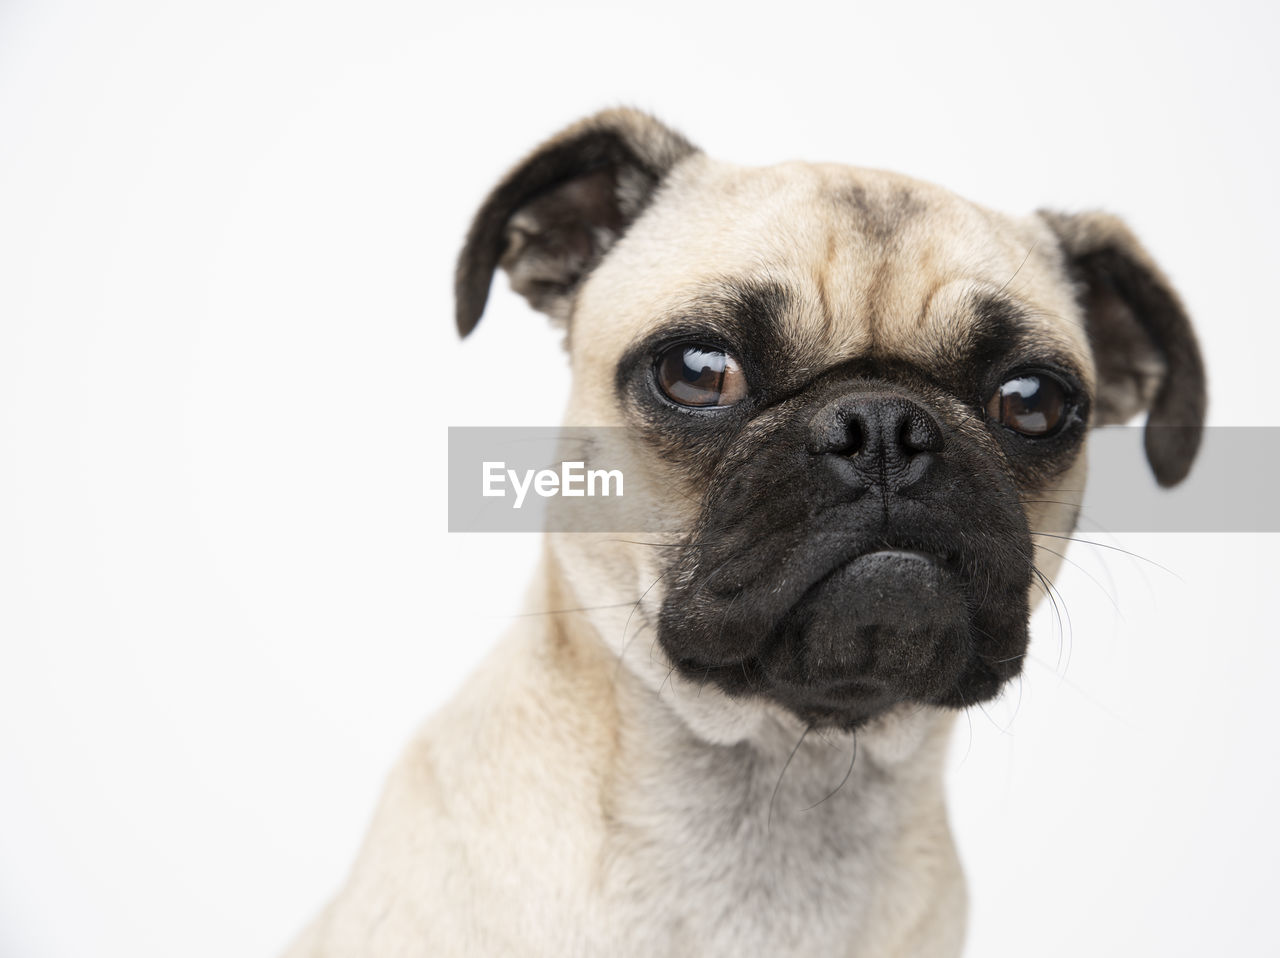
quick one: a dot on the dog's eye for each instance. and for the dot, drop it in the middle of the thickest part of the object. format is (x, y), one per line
(1034, 404)
(694, 375)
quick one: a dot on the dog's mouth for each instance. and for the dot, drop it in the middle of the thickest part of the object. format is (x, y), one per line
(864, 631)
(889, 625)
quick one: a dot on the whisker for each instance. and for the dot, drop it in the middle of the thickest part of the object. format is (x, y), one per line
(1019, 269)
(1103, 545)
(1066, 635)
(1079, 690)
(999, 728)
(626, 642)
(1085, 572)
(581, 608)
(656, 545)
(969, 720)
(1017, 706)
(670, 672)
(702, 683)
(853, 758)
(778, 784)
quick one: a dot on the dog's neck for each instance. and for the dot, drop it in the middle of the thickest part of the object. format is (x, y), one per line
(782, 780)
(654, 701)
(832, 825)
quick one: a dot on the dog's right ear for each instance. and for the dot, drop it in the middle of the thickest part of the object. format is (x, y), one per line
(553, 217)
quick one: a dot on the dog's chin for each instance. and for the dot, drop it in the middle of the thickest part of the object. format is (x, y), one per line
(885, 628)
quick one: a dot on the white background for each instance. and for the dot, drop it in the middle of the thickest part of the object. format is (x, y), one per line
(227, 364)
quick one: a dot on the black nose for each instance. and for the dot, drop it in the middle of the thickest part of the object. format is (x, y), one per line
(884, 437)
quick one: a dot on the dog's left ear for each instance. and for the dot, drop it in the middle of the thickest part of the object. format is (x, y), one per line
(1143, 345)
(553, 218)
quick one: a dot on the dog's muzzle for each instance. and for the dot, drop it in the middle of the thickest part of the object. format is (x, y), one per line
(861, 553)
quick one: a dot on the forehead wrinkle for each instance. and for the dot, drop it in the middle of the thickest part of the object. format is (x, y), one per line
(857, 216)
(963, 314)
(895, 305)
(930, 264)
(955, 311)
(822, 277)
(924, 243)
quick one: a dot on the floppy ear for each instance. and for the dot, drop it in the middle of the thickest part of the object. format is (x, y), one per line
(553, 217)
(1143, 346)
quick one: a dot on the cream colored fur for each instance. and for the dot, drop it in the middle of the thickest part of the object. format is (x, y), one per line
(578, 797)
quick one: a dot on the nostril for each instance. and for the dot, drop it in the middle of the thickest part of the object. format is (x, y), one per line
(841, 435)
(855, 438)
(919, 433)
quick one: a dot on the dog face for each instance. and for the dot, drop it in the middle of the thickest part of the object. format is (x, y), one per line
(857, 404)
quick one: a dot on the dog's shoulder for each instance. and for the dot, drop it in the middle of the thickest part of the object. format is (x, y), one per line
(497, 798)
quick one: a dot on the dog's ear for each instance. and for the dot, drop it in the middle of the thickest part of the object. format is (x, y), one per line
(1143, 345)
(554, 216)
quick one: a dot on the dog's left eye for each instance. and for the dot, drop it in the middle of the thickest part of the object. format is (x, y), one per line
(1034, 404)
(694, 375)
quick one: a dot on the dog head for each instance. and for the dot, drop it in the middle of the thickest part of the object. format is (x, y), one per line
(857, 403)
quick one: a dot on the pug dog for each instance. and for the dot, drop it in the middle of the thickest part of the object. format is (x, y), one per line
(854, 408)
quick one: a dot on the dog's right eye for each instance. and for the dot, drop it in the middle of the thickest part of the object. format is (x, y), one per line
(695, 375)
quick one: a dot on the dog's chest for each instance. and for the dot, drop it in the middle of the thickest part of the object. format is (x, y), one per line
(738, 858)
